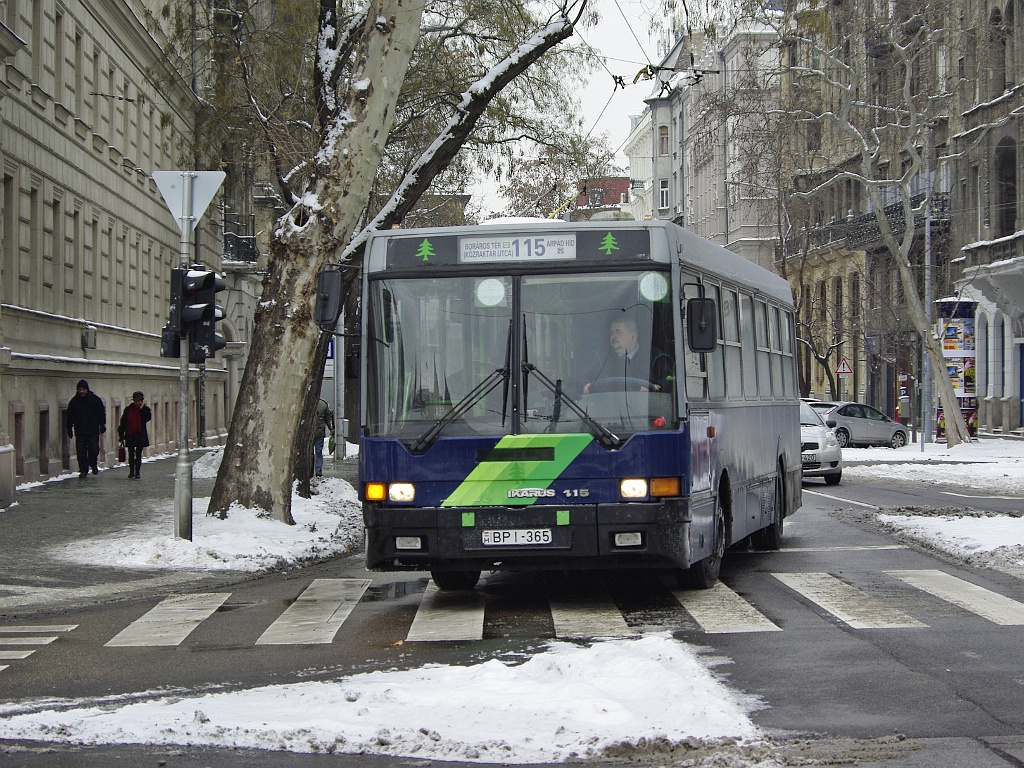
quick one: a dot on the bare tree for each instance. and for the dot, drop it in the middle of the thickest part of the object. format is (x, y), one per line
(328, 221)
(539, 185)
(864, 96)
(885, 98)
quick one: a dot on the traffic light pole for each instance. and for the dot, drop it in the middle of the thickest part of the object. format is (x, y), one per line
(183, 468)
(197, 190)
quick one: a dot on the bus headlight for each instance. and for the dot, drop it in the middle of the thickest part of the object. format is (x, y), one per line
(633, 488)
(402, 492)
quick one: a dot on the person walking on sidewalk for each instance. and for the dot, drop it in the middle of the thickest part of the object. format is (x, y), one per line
(86, 421)
(324, 419)
(133, 433)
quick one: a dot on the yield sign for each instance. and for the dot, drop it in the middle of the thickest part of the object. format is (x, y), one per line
(844, 368)
(198, 187)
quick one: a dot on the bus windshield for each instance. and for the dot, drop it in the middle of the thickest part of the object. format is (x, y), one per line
(588, 353)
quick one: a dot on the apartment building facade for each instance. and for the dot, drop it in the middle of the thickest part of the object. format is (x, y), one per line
(87, 243)
(988, 217)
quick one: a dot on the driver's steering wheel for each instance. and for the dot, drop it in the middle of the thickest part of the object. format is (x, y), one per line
(620, 384)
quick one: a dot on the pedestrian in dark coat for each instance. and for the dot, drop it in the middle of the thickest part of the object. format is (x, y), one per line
(86, 421)
(132, 432)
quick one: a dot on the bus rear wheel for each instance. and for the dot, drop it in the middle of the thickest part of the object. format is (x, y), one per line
(704, 574)
(453, 581)
(771, 537)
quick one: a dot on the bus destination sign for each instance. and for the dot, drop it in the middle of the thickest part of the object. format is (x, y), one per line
(526, 248)
(554, 246)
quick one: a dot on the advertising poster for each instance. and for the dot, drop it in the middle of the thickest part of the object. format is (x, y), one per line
(958, 336)
(962, 375)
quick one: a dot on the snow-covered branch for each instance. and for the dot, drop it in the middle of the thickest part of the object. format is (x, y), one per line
(475, 99)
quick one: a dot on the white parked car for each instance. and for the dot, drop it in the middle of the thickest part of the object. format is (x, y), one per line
(820, 453)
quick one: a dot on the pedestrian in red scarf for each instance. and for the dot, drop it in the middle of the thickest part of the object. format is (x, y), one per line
(132, 432)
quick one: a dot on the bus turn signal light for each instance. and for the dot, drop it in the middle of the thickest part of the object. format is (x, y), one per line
(375, 491)
(664, 486)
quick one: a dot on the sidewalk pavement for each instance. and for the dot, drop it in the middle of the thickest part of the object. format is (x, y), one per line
(61, 511)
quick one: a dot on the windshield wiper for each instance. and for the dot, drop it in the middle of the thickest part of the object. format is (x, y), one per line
(471, 398)
(605, 436)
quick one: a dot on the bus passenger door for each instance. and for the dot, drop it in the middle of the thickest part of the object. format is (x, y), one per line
(700, 452)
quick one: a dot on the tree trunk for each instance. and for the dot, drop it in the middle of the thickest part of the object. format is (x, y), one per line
(257, 468)
(956, 429)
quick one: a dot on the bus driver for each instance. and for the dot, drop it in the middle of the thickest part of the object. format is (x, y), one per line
(629, 366)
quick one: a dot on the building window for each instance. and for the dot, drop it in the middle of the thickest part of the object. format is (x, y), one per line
(813, 137)
(663, 140)
(1006, 188)
(663, 194)
(855, 299)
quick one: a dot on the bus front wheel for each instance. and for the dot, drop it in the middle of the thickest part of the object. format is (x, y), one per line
(453, 581)
(704, 574)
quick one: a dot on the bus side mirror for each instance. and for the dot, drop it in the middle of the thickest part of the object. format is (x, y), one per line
(701, 330)
(328, 298)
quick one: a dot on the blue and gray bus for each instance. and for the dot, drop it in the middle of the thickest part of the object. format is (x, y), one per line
(546, 395)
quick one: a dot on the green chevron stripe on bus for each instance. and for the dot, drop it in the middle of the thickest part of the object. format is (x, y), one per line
(510, 483)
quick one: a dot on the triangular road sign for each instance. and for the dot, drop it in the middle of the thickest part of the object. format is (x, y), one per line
(172, 186)
(844, 368)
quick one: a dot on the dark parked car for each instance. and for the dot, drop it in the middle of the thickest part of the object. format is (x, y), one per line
(859, 424)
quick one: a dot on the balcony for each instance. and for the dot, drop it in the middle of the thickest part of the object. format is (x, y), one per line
(863, 231)
(240, 248)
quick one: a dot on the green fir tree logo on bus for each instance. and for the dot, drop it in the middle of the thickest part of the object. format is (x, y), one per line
(608, 244)
(425, 251)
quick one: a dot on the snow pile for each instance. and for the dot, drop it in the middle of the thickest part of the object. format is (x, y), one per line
(977, 539)
(569, 701)
(988, 466)
(327, 525)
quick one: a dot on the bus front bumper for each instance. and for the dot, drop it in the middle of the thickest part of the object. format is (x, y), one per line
(638, 535)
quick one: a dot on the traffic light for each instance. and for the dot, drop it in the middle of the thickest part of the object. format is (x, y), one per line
(199, 287)
(194, 312)
(204, 341)
(170, 341)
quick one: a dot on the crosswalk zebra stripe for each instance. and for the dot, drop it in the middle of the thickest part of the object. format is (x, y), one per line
(592, 614)
(848, 604)
(3, 667)
(15, 655)
(719, 610)
(39, 628)
(27, 640)
(170, 621)
(317, 614)
(448, 616)
(978, 600)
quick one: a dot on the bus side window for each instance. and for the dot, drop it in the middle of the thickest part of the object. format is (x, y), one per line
(778, 362)
(788, 361)
(748, 347)
(693, 362)
(764, 374)
(716, 359)
(731, 341)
